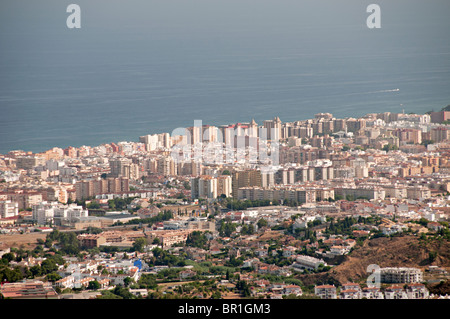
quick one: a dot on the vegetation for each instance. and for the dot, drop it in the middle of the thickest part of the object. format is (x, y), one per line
(162, 216)
(226, 228)
(197, 239)
(163, 257)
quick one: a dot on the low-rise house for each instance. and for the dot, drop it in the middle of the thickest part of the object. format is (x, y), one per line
(338, 250)
(196, 254)
(104, 283)
(350, 294)
(261, 252)
(434, 226)
(417, 291)
(275, 296)
(325, 291)
(395, 292)
(289, 251)
(66, 282)
(250, 263)
(308, 262)
(372, 293)
(262, 283)
(436, 270)
(83, 282)
(292, 290)
(351, 285)
(139, 292)
(392, 229)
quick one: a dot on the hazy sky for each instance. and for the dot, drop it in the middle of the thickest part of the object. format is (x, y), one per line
(38, 28)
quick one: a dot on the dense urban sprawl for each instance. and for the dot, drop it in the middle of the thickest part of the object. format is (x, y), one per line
(275, 210)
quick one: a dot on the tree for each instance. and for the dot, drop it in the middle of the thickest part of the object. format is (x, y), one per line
(139, 244)
(262, 223)
(432, 255)
(93, 285)
(8, 257)
(147, 281)
(216, 295)
(127, 281)
(197, 239)
(93, 205)
(244, 288)
(122, 292)
(53, 276)
(390, 147)
(35, 271)
(48, 266)
(10, 275)
(427, 142)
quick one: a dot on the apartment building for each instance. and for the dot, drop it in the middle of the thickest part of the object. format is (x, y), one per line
(91, 188)
(326, 291)
(8, 209)
(245, 178)
(401, 275)
(204, 186)
(308, 262)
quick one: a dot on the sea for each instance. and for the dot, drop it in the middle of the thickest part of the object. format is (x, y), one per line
(143, 67)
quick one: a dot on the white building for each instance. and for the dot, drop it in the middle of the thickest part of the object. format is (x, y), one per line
(417, 291)
(308, 262)
(69, 213)
(46, 212)
(325, 291)
(401, 275)
(8, 209)
(204, 187)
(372, 293)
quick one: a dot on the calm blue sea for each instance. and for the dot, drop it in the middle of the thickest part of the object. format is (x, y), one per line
(142, 67)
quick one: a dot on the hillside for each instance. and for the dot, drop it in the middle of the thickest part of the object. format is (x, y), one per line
(405, 251)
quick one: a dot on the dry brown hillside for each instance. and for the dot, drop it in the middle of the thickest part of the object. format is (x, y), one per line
(405, 251)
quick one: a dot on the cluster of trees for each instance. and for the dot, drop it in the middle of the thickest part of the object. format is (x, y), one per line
(234, 262)
(119, 292)
(244, 288)
(197, 239)
(147, 281)
(67, 242)
(247, 229)
(342, 226)
(113, 204)
(119, 203)
(390, 147)
(278, 259)
(226, 228)
(305, 234)
(47, 268)
(164, 258)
